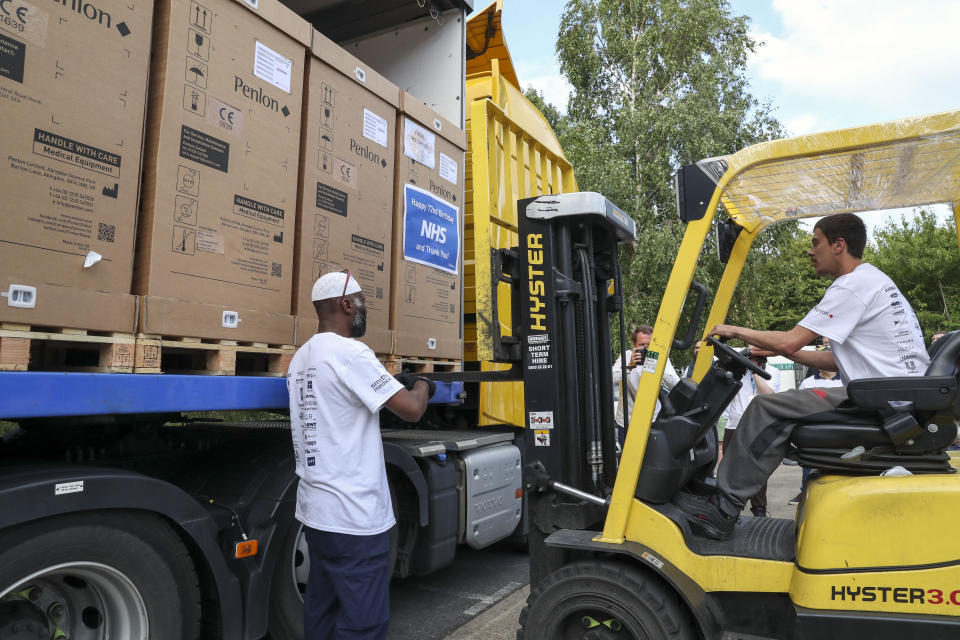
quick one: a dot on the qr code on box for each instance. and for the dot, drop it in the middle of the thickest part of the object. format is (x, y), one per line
(106, 232)
(276, 269)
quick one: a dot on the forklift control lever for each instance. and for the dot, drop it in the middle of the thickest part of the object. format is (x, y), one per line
(538, 479)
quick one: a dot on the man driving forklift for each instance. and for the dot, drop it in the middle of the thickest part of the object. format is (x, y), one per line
(874, 333)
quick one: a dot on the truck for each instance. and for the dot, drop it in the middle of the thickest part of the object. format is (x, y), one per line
(128, 510)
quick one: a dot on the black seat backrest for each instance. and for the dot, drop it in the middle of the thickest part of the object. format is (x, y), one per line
(945, 355)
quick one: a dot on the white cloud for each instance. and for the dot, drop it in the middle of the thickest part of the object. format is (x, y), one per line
(802, 124)
(897, 55)
(544, 76)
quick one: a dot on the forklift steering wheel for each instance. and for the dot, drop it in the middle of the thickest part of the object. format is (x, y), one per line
(733, 354)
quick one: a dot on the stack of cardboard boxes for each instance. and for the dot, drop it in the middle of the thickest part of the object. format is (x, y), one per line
(215, 251)
(428, 230)
(73, 90)
(346, 194)
(271, 157)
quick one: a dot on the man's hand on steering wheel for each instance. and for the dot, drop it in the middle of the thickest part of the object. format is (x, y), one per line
(733, 354)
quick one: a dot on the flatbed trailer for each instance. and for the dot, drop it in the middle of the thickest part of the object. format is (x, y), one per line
(128, 511)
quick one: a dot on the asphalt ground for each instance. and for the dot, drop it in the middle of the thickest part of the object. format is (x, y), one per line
(499, 620)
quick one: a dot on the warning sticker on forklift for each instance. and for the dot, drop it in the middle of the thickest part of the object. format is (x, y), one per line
(541, 438)
(650, 362)
(652, 559)
(68, 487)
(541, 420)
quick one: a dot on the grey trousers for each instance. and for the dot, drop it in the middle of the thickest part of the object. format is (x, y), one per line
(763, 437)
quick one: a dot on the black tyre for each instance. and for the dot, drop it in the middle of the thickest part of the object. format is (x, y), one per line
(599, 600)
(97, 576)
(288, 586)
(289, 583)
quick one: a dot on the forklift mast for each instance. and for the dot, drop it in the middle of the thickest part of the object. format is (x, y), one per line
(562, 303)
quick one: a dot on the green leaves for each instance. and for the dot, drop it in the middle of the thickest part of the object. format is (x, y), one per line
(656, 84)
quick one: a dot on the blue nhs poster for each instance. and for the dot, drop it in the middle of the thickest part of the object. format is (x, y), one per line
(431, 230)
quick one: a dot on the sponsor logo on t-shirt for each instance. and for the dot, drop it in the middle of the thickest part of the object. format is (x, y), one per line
(380, 382)
(311, 461)
(895, 303)
(822, 311)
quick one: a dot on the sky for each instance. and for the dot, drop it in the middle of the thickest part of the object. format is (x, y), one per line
(823, 64)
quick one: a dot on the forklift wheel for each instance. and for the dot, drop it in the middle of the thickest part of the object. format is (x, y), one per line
(596, 600)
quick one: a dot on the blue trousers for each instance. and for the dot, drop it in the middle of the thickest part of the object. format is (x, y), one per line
(348, 595)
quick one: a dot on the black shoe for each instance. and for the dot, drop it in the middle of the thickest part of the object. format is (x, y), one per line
(759, 513)
(705, 516)
(795, 499)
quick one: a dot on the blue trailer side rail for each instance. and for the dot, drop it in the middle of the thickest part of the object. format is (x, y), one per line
(41, 394)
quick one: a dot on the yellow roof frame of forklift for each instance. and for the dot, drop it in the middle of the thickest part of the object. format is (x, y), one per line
(903, 163)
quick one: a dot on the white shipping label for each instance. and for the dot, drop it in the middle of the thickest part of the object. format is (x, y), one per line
(448, 168)
(210, 241)
(374, 128)
(419, 143)
(271, 66)
(68, 487)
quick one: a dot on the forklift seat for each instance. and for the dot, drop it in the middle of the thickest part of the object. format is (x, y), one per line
(907, 421)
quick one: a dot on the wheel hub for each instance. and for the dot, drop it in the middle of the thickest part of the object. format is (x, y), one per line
(21, 620)
(74, 601)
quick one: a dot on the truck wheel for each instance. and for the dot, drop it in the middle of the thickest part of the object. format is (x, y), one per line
(97, 576)
(597, 600)
(289, 583)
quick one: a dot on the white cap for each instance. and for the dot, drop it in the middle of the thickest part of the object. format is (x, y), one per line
(331, 286)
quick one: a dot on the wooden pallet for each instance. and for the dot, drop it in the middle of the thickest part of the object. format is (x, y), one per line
(396, 364)
(164, 354)
(29, 348)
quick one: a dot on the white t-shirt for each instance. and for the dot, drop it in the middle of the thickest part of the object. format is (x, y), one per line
(816, 382)
(748, 392)
(337, 387)
(872, 328)
(670, 378)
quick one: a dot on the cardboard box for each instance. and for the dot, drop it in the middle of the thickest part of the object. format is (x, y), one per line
(220, 179)
(427, 296)
(166, 316)
(345, 212)
(74, 308)
(73, 86)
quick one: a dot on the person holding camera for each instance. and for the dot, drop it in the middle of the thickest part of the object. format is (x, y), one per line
(337, 387)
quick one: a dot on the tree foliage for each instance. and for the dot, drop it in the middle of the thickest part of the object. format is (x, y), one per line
(656, 84)
(661, 83)
(921, 256)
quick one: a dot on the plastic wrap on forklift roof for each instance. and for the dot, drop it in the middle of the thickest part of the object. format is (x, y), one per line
(907, 162)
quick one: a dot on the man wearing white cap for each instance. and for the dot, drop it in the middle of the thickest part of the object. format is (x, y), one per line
(337, 388)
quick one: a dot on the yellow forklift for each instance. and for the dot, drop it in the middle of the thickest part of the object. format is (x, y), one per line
(867, 556)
